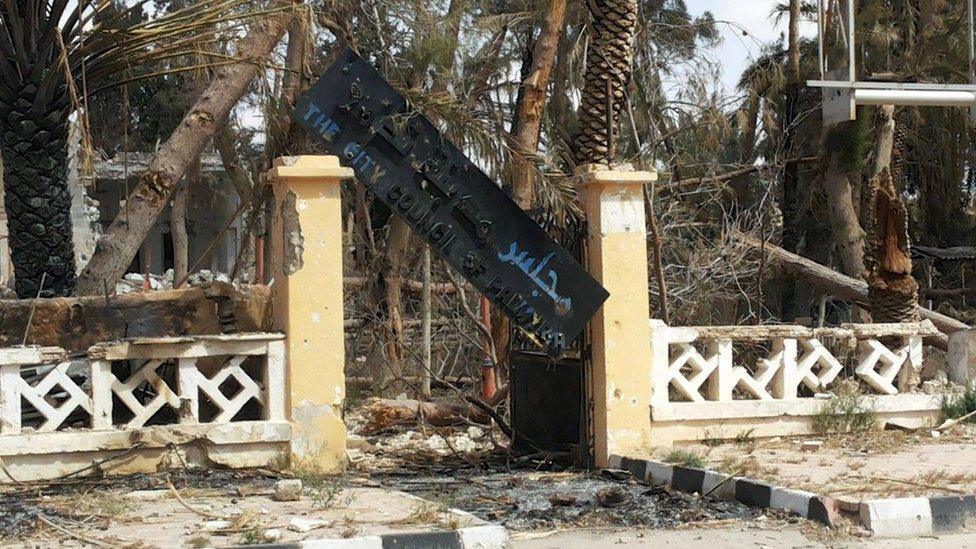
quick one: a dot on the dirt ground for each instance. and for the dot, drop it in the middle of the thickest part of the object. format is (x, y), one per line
(211, 510)
(410, 478)
(725, 535)
(880, 464)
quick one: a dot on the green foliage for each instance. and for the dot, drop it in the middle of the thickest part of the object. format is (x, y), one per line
(745, 437)
(321, 488)
(851, 142)
(847, 412)
(956, 406)
(685, 457)
(254, 536)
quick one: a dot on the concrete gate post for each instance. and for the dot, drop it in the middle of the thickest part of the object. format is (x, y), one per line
(621, 377)
(306, 263)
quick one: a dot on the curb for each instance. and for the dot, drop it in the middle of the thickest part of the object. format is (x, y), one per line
(887, 518)
(486, 536)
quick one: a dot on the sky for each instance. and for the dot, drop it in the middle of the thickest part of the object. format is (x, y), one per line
(734, 17)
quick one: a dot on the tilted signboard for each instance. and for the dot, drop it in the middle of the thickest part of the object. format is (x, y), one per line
(467, 219)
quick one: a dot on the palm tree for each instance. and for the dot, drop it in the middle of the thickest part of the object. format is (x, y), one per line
(53, 54)
(608, 68)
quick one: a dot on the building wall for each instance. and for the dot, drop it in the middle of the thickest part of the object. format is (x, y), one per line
(6, 270)
(210, 206)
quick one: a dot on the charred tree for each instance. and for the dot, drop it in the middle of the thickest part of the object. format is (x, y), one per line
(892, 290)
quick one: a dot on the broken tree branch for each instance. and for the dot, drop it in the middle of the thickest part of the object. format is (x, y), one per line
(116, 249)
(695, 181)
(841, 286)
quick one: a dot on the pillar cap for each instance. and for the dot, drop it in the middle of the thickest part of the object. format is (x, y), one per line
(309, 167)
(624, 174)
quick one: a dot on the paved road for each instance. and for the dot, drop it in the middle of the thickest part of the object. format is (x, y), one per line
(718, 538)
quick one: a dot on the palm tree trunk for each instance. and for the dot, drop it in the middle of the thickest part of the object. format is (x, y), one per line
(892, 290)
(34, 145)
(608, 69)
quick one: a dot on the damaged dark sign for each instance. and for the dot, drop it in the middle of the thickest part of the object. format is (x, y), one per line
(465, 217)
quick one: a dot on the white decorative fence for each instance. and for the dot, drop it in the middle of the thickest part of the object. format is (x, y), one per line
(211, 399)
(729, 372)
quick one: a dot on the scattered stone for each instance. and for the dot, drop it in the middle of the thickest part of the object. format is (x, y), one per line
(288, 490)
(356, 442)
(936, 434)
(215, 525)
(302, 525)
(273, 534)
(562, 500)
(811, 445)
(930, 387)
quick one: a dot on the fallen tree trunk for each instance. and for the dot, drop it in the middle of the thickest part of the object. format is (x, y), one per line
(841, 286)
(415, 286)
(385, 413)
(116, 249)
(947, 294)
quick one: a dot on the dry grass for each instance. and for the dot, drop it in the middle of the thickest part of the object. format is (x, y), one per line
(684, 457)
(748, 466)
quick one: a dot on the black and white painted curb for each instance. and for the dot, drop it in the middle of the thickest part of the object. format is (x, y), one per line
(486, 536)
(887, 518)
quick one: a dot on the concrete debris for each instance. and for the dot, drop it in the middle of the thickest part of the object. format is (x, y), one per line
(204, 276)
(811, 445)
(216, 525)
(288, 490)
(298, 524)
(136, 282)
(273, 534)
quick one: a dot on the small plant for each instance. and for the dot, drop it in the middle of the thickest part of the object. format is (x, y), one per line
(847, 412)
(323, 491)
(957, 406)
(687, 458)
(199, 542)
(745, 437)
(712, 438)
(322, 488)
(254, 536)
(104, 504)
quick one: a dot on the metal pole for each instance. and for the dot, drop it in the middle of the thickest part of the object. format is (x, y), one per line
(850, 41)
(972, 46)
(425, 307)
(921, 98)
(820, 36)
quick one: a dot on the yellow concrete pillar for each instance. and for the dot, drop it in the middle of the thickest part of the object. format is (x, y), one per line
(621, 377)
(306, 263)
